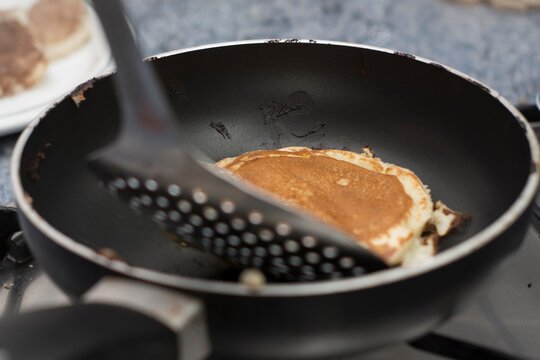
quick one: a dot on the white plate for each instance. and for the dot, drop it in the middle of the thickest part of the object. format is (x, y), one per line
(63, 75)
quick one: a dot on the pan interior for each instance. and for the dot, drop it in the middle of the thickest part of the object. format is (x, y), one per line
(461, 141)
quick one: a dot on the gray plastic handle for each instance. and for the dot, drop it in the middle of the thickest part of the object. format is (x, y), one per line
(120, 319)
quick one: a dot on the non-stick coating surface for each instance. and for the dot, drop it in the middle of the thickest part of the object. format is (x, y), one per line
(457, 138)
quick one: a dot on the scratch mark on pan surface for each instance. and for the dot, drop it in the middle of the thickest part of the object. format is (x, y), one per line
(276, 109)
(221, 129)
(277, 113)
(297, 103)
(313, 130)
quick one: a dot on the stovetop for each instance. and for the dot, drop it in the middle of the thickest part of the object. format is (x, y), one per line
(497, 47)
(505, 318)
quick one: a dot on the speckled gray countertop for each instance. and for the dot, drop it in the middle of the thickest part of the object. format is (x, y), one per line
(499, 48)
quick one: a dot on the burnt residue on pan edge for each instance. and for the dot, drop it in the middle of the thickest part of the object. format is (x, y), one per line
(78, 94)
(400, 53)
(287, 41)
(35, 160)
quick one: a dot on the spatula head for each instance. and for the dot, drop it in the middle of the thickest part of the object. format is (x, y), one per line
(208, 209)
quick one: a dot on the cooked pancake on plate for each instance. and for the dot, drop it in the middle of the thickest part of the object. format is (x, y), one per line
(22, 64)
(11, 14)
(59, 26)
(384, 207)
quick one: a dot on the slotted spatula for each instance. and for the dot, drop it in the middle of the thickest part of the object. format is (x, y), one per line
(154, 168)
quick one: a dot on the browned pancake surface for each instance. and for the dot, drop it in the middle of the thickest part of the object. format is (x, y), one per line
(358, 201)
(386, 208)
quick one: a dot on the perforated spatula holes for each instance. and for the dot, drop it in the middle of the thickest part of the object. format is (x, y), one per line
(215, 227)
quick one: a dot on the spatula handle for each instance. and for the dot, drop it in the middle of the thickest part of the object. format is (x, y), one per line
(143, 105)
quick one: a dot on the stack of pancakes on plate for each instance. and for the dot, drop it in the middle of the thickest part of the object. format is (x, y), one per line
(31, 38)
(59, 26)
(22, 64)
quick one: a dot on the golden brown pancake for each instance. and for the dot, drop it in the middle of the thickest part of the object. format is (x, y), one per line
(384, 207)
(22, 64)
(59, 26)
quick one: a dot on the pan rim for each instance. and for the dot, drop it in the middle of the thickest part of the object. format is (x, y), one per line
(485, 236)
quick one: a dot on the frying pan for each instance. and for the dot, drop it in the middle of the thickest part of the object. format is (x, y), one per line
(471, 146)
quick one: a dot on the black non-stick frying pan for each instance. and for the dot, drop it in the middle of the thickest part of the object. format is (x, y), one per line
(474, 150)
